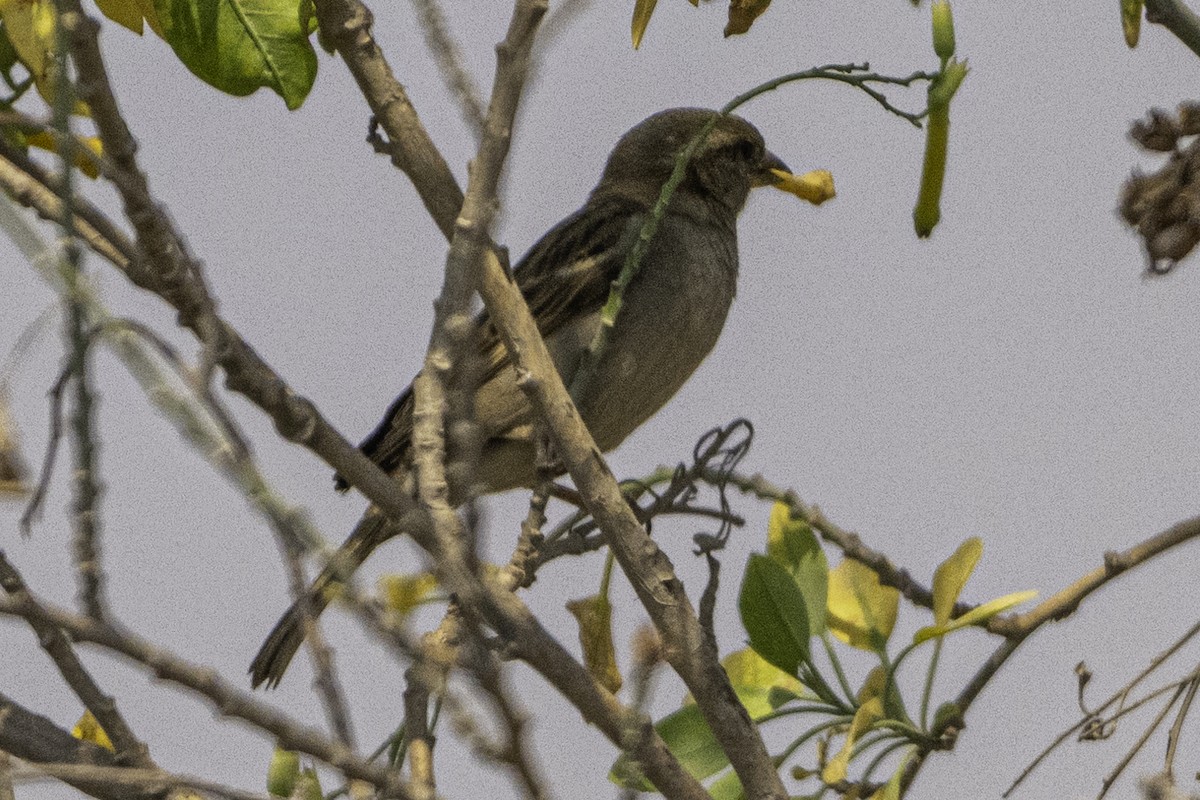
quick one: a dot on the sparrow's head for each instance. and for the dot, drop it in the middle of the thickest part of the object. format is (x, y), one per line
(730, 161)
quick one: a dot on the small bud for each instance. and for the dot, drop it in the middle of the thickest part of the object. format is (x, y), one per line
(1173, 243)
(1189, 118)
(1159, 132)
(308, 786)
(943, 89)
(943, 29)
(282, 773)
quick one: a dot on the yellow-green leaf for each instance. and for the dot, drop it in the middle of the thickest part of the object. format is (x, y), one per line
(975, 616)
(862, 611)
(951, 576)
(867, 715)
(283, 772)
(594, 615)
(131, 13)
(891, 789)
(758, 683)
(642, 11)
(88, 730)
(1131, 21)
(404, 593)
(742, 14)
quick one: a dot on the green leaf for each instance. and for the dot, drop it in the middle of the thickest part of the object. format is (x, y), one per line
(690, 740)
(1131, 21)
(791, 542)
(773, 614)
(239, 46)
(642, 11)
(727, 787)
(975, 616)
(594, 615)
(951, 576)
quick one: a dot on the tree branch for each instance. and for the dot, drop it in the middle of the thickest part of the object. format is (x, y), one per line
(1176, 17)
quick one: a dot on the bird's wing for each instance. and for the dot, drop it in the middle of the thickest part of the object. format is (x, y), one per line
(563, 277)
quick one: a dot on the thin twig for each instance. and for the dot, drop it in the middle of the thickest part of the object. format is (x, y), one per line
(147, 781)
(449, 59)
(1177, 726)
(1010, 645)
(33, 509)
(225, 699)
(329, 689)
(1112, 776)
(128, 747)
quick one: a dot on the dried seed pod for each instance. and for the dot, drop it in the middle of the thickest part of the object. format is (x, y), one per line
(1159, 132)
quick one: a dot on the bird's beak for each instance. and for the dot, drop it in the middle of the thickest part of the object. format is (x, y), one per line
(816, 187)
(766, 176)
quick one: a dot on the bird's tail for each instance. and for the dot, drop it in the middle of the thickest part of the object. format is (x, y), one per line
(285, 639)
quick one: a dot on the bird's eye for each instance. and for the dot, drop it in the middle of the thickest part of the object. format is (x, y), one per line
(745, 150)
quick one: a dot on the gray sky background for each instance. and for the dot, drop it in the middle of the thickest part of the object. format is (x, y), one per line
(1015, 377)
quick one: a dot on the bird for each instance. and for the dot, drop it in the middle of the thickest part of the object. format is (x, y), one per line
(673, 313)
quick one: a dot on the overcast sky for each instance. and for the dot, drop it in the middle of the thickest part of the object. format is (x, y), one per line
(1015, 377)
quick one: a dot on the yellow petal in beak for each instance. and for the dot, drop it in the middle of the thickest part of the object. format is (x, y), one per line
(816, 187)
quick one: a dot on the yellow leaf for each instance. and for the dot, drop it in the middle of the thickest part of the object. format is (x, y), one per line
(867, 715)
(594, 615)
(88, 730)
(86, 155)
(403, 593)
(747, 668)
(951, 576)
(975, 616)
(816, 186)
(891, 789)
(30, 27)
(757, 682)
(122, 12)
(642, 11)
(862, 611)
(13, 472)
(742, 14)
(130, 13)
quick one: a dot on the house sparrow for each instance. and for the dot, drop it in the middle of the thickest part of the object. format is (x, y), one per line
(673, 313)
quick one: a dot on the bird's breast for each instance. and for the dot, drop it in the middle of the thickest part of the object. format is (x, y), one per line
(672, 316)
